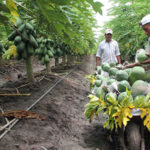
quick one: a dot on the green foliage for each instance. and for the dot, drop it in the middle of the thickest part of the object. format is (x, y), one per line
(11, 52)
(125, 25)
(4, 17)
(13, 10)
(69, 20)
(118, 112)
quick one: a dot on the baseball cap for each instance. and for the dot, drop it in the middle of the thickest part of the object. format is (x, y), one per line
(145, 20)
(108, 31)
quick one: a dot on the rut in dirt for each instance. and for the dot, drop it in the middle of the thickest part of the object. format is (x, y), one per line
(64, 127)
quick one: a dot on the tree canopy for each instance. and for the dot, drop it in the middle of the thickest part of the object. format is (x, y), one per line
(68, 20)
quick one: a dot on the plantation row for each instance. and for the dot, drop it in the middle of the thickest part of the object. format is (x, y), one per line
(47, 29)
(26, 44)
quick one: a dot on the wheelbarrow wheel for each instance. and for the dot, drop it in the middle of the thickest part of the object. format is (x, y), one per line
(133, 136)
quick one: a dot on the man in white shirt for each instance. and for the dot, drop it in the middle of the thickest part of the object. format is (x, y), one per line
(108, 50)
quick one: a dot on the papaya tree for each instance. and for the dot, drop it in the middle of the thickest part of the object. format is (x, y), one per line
(57, 53)
(64, 47)
(24, 37)
(45, 52)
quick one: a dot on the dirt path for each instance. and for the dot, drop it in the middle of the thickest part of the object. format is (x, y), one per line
(64, 127)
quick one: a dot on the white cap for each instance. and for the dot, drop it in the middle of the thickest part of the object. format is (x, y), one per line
(145, 20)
(108, 31)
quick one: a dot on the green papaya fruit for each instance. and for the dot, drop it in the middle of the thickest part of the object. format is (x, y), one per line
(50, 54)
(29, 27)
(21, 46)
(17, 39)
(12, 36)
(25, 35)
(20, 29)
(47, 59)
(45, 51)
(52, 50)
(24, 55)
(34, 34)
(43, 60)
(32, 41)
(19, 22)
(42, 46)
(41, 52)
(37, 51)
(48, 46)
(30, 49)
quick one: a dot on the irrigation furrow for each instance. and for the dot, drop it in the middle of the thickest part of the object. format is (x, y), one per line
(13, 122)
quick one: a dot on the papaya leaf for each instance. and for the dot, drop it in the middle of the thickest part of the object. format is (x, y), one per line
(143, 114)
(147, 97)
(106, 123)
(59, 27)
(4, 20)
(35, 4)
(13, 10)
(60, 2)
(96, 6)
(122, 116)
(11, 52)
(99, 110)
(3, 8)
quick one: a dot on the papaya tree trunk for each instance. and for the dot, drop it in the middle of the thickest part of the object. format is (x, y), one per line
(29, 69)
(56, 61)
(69, 59)
(0, 60)
(64, 60)
(48, 68)
(80, 58)
(72, 59)
(76, 58)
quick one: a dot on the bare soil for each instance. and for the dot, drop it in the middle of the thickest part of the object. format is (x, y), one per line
(64, 127)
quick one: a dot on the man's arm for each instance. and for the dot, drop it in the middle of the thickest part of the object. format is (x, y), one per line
(131, 65)
(117, 53)
(146, 61)
(119, 59)
(98, 56)
(97, 61)
(148, 55)
(138, 64)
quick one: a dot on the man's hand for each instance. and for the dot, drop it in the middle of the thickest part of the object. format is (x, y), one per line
(146, 61)
(97, 61)
(148, 55)
(131, 65)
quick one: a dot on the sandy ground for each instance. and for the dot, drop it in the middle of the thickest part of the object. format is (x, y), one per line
(64, 127)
